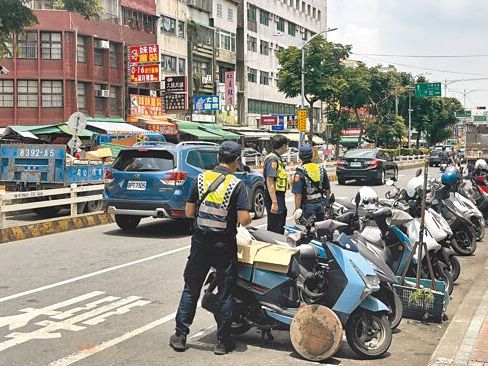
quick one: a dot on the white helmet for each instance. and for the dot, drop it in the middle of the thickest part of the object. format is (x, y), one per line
(368, 196)
(481, 164)
(412, 186)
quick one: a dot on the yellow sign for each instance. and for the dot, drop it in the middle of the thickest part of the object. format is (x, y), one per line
(302, 120)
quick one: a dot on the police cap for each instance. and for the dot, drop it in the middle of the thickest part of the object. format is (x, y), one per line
(305, 152)
(230, 148)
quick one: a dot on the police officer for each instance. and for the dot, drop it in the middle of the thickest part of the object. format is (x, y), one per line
(218, 200)
(311, 185)
(276, 179)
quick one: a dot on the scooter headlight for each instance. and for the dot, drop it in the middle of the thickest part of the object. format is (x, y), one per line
(371, 282)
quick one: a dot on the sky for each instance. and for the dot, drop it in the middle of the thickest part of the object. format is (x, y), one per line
(419, 28)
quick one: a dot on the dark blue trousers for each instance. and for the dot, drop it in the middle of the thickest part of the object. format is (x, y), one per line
(206, 252)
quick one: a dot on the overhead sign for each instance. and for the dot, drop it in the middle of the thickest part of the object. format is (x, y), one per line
(269, 120)
(144, 54)
(144, 73)
(302, 120)
(206, 102)
(142, 105)
(423, 90)
(351, 132)
(292, 122)
(230, 86)
(175, 102)
(463, 114)
(77, 122)
(281, 124)
(480, 119)
(175, 84)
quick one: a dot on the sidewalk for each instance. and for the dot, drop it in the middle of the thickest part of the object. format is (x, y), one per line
(465, 342)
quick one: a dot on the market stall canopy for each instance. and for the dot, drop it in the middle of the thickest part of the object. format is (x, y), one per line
(349, 141)
(216, 129)
(193, 129)
(21, 133)
(116, 128)
(261, 135)
(61, 129)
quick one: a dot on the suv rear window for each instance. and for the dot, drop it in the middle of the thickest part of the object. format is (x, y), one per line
(144, 161)
(203, 159)
(360, 153)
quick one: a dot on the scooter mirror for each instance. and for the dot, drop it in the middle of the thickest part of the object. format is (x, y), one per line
(388, 195)
(297, 214)
(357, 199)
(419, 171)
(389, 182)
(331, 199)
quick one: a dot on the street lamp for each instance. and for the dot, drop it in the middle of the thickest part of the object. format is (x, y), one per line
(302, 135)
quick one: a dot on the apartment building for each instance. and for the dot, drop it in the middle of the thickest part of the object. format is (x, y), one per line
(266, 26)
(67, 63)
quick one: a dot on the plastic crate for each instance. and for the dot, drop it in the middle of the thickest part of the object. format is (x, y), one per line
(428, 311)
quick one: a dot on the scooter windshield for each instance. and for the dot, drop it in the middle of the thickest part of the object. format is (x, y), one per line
(345, 242)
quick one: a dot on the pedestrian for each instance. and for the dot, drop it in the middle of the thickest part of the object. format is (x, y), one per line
(276, 179)
(218, 200)
(311, 186)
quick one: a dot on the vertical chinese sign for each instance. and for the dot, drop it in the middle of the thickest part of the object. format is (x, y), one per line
(230, 86)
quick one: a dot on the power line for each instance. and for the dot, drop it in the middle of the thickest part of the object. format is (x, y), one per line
(420, 56)
(424, 68)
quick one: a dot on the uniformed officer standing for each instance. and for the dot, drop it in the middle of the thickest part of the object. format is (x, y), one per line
(311, 185)
(276, 179)
(218, 200)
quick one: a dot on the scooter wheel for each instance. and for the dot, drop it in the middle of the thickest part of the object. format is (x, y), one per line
(455, 268)
(464, 242)
(479, 229)
(368, 334)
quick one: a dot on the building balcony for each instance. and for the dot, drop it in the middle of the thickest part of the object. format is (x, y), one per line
(203, 5)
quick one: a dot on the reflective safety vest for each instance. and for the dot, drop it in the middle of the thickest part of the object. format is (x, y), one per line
(281, 182)
(316, 174)
(213, 211)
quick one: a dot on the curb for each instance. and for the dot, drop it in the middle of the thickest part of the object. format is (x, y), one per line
(53, 226)
(451, 347)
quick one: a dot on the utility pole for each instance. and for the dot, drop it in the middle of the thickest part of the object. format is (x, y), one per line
(409, 116)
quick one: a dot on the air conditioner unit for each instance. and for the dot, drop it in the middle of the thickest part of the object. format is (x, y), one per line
(103, 93)
(102, 44)
(207, 79)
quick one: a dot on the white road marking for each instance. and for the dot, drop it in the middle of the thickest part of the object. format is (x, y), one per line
(203, 332)
(92, 274)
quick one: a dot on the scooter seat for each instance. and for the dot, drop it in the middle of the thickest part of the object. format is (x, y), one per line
(373, 236)
(268, 236)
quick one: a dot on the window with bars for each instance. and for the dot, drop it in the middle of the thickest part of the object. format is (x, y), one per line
(264, 78)
(100, 102)
(252, 18)
(81, 49)
(114, 99)
(280, 26)
(219, 10)
(264, 48)
(181, 66)
(168, 64)
(230, 15)
(98, 57)
(168, 25)
(114, 63)
(51, 47)
(227, 41)
(252, 44)
(181, 29)
(6, 93)
(27, 44)
(81, 95)
(252, 75)
(264, 17)
(292, 29)
(27, 91)
(52, 93)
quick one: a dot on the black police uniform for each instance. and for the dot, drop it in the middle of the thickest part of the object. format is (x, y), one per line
(277, 221)
(218, 250)
(317, 207)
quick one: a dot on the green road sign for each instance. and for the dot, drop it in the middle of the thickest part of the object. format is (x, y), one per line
(482, 119)
(463, 114)
(423, 90)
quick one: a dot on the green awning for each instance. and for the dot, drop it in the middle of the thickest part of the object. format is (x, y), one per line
(193, 129)
(99, 118)
(85, 133)
(349, 141)
(215, 129)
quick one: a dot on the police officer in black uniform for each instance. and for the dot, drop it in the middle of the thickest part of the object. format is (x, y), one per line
(218, 200)
(276, 179)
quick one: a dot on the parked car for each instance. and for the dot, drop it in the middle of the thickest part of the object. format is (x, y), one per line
(291, 153)
(366, 164)
(435, 157)
(249, 152)
(155, 181)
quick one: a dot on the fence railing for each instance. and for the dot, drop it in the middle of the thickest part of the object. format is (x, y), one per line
(15, 201)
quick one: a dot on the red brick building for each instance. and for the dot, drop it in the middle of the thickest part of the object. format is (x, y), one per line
(67, 63)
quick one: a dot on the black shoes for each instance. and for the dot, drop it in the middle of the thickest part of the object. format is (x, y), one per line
(223, 347)
(178, 342)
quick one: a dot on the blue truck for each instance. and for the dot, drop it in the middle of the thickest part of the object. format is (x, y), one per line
(32, 167)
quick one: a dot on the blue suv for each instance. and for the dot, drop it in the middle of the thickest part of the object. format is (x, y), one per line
(154, 180)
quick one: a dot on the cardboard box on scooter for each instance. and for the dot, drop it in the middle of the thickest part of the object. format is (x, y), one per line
(270, 257)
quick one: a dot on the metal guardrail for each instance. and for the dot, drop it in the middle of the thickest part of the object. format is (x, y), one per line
(9, 200)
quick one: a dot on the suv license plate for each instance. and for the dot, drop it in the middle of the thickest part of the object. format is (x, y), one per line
(355, 164)
(136, 185)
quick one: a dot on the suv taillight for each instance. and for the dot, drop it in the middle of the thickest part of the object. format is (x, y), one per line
(341, 162)
(373, 163)
(175, 178)
(107, 176)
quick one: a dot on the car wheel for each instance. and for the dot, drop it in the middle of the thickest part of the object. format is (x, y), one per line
(395, 178)
(341, 181)
(382, 180)
(127, 222)
(258, 203)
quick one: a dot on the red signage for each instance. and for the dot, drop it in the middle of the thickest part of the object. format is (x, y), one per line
(352, 132)
(142, 105)
(168, 129)
(230, 88)
(144, 54)
(269, 120)
(144, 6)
(144, 74)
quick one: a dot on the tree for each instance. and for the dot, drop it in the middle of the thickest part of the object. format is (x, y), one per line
(323, 71)
(14, 17)
(87, 8)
